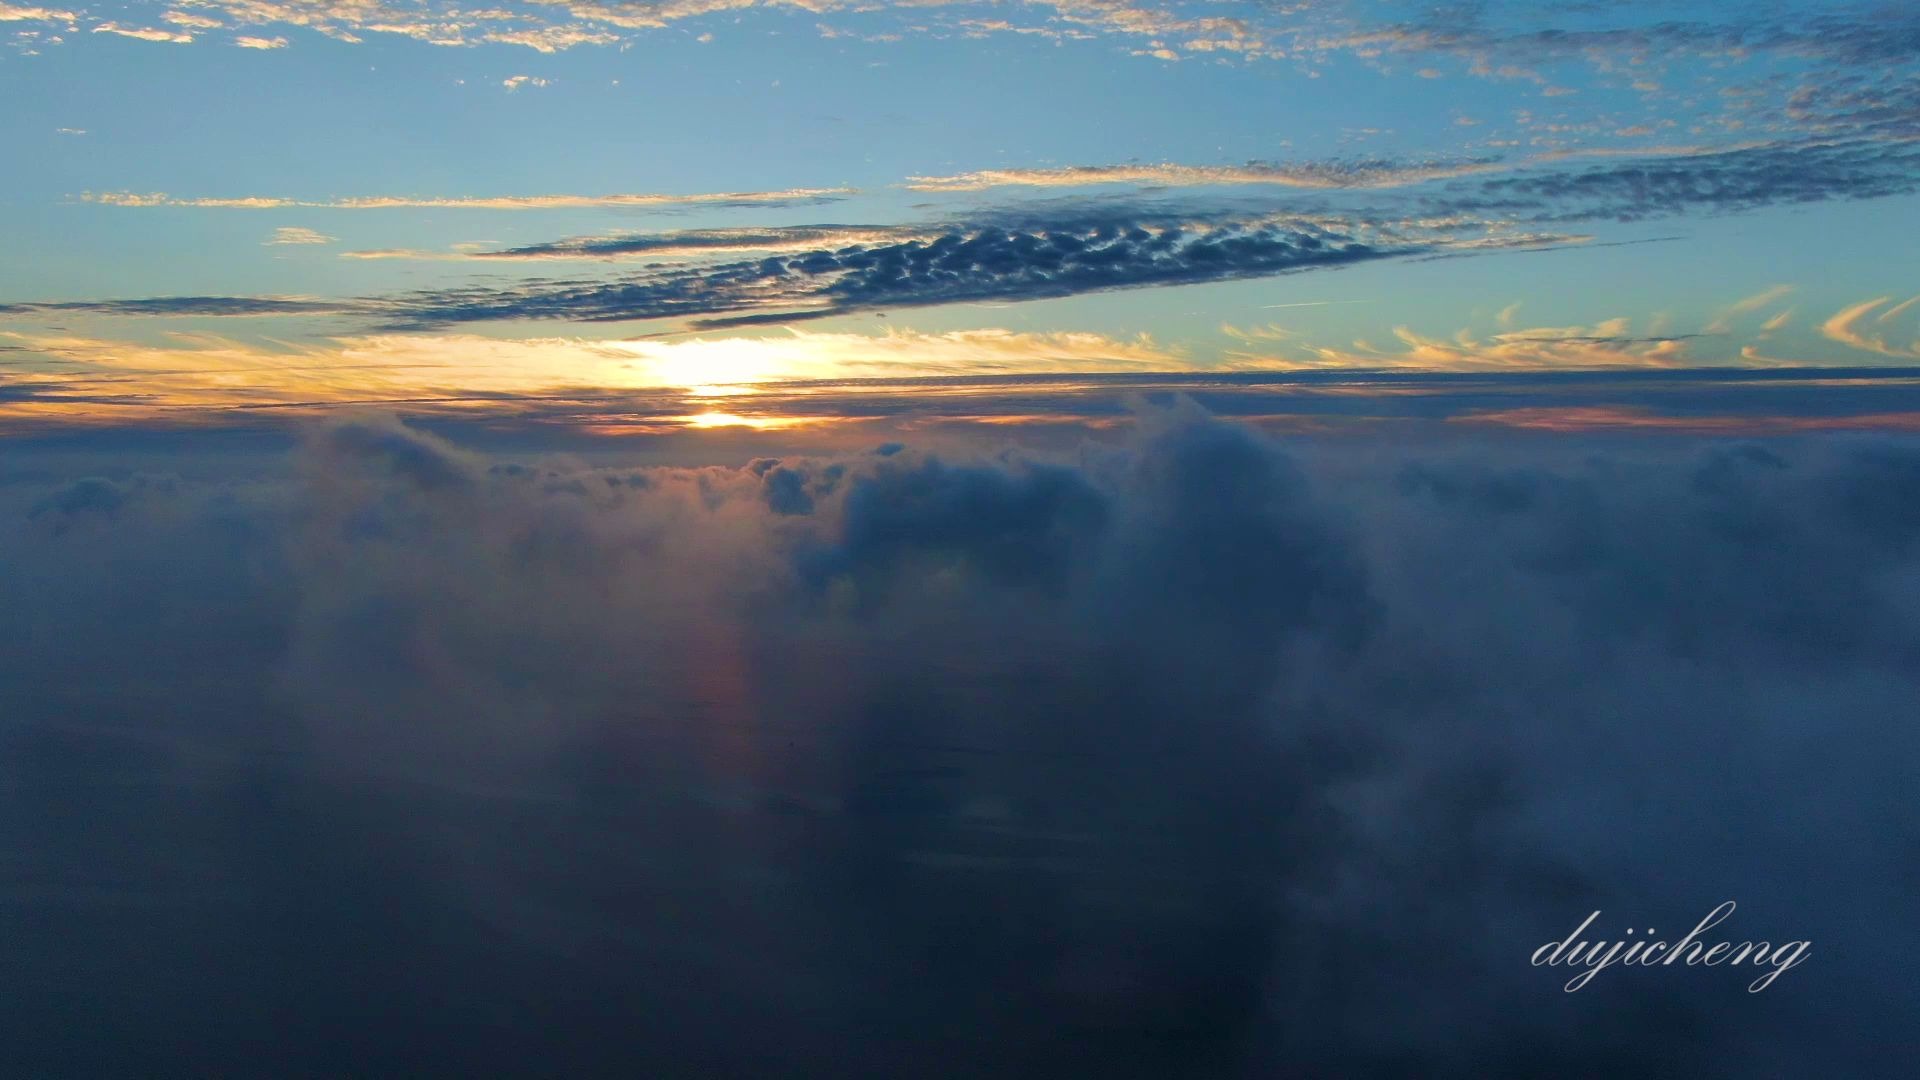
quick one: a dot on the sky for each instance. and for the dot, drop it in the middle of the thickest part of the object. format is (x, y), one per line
(253, 206)
(866, 539)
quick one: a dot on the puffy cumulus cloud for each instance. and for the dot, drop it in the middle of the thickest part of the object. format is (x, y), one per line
(1198, 753)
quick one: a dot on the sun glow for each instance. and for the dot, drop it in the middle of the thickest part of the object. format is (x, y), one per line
(721, 419)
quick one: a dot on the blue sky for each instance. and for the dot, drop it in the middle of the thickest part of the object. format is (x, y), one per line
(1519, 186)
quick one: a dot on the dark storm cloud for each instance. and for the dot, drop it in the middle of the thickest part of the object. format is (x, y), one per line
(1192, 756)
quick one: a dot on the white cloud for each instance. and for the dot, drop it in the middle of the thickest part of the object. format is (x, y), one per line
(12, 13)
(144, 33)
(295, 234)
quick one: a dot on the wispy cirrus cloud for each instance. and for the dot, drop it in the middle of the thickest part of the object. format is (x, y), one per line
(1610, 343)
(1371, 173)
(787, 198)
(1849, 326)
(1723, 322)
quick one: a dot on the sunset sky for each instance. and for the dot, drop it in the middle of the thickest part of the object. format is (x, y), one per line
(1072, 540)
(602, 215)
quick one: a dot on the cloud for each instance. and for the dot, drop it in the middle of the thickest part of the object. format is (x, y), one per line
(961, 264)
(833, 389)
(1606, 345)
(676, 243)
(1846, 328)
(1602, 418)
(1190, 752)
(224, 306)
(795, 197)
(1374, 173)
(956, 267)
(1723, 322)
(191, 21)
(1736, 179)
(296, 234)
(145, 33)
(515, 82)
(247, 42)
(1071, 246)
(203, 380)
(17, 13)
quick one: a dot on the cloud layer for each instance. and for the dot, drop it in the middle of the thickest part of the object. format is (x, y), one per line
(1190, 753)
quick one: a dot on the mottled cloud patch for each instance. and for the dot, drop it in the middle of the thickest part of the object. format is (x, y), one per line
(1737, 179)
(956, 267)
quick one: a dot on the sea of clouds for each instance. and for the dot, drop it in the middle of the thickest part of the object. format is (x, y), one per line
(1197, 754)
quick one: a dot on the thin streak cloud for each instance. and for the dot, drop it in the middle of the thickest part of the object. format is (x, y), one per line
(793, 197)
(1315, 175)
